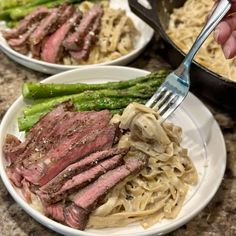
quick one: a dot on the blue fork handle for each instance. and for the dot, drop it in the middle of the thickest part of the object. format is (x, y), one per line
(219, 12)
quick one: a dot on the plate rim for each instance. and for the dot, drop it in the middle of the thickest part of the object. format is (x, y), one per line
(58, 227)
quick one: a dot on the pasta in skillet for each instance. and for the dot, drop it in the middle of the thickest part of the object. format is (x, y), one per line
(185, 25)
(159, 190)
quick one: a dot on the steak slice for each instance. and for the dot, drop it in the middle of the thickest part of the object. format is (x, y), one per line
(95, 140)
(76, 217)
(15, 177)
(30, 19)
(73, 41)
(56, 183)
(81, 180)
(64, 125)
(65, 13)
(36, 134)
(53, 46)
(89, 197)
(22, 39)
(64, 131)
(89, 41)
(11, 142)
(55, 211)
(44, 27)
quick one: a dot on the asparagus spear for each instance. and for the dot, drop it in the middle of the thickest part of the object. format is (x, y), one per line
(115, 105)
(38, 90)
(27, 122)
(6, 4)
(86, 96)
(106, 103)
(12, 24)
(20, 12)
(143, 90)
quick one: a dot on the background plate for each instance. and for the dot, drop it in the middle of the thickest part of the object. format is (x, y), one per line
(201, 135)
(143, 39)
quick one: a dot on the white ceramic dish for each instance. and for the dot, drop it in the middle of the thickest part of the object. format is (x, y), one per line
(202, 136)
(143, 39)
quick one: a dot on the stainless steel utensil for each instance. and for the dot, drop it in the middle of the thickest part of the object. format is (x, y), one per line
(176, 86)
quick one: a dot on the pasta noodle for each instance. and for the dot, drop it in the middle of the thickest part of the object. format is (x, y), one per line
(185, 25)
(159, 190)
(116, 38)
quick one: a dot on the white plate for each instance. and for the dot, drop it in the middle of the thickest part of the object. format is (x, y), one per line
(143, 39)
(202, 136)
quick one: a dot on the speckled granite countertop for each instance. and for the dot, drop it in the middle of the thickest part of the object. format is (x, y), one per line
(218, 218)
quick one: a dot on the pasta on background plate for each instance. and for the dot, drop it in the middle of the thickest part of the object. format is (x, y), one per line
(117, 36)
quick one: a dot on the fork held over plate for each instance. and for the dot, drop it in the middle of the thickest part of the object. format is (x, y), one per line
(176, 85)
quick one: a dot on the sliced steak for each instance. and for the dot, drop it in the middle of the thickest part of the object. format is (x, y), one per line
(53, 46)
(24, 49)
(76, 217)
(56, 183)
(11, 143)
(15, 177)
(36, 134)
(44, 27)
(30, 19)
(89, 197)
(81, 180)
(36, 50)
(74, 41)
(65, 132)
(22, 39)
(65, 13)
(26, 191)
(89, 41)
(55, 211)
(70, 152)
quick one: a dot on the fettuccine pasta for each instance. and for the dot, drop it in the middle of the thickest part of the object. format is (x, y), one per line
(160, 189)
(185, 25)
(117, 36)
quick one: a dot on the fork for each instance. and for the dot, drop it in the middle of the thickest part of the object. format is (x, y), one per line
(176, 86)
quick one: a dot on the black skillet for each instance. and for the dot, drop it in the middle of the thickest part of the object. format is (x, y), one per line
(204, 83)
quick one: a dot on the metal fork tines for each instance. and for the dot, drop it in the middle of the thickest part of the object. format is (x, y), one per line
(168, 97)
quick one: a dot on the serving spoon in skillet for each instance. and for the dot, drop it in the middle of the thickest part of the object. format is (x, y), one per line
(176, 86)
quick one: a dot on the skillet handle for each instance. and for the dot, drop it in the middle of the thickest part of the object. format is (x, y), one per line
(149, 15)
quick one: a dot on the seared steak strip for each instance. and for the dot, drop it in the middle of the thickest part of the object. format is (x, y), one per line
(64, 125)
(14, 176)
(30, 19)
(36, 50)
(35, 138)
(82, 144)
(55, 211)
(36, 134)
(52, 47)
(22, 39)
(44, 27)
(24, 49)
(56, 183)
(73, 42)
(68, 129)
(11, 142)
(89, 197)
(65, 13)
(89, 41)
(81, 180)
(76, 217)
